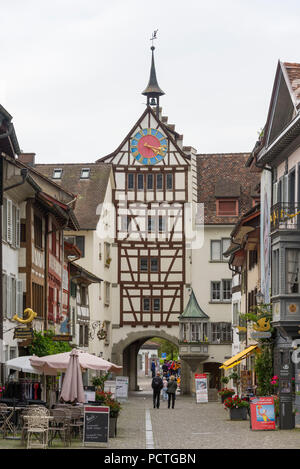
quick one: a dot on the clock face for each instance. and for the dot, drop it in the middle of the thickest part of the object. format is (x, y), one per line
(149, 146)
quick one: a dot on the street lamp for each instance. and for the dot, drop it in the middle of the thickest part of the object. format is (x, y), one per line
(259, 297)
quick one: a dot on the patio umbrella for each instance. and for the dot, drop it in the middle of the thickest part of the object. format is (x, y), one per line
(72, 389)
(60, 361)
(23, 364)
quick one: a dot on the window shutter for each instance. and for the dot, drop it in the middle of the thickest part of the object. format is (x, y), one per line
(9, 221)
(14, 225)
(4, 287)
(4, 219)
(8, 297)
(18, 228)
(20, 298)
(13, 297)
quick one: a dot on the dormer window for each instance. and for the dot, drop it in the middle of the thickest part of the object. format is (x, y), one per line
(57, 173)
(227, 207)
(85, 173)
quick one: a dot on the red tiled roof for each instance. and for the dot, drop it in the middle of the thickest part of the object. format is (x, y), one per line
(293, 73)
(218, 172)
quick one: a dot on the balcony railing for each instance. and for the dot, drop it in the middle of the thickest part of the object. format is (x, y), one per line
(285, 216)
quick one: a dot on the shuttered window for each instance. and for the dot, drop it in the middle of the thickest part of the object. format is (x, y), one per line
(4, 219)
(4, 298)
(227, 208)
(9, 222)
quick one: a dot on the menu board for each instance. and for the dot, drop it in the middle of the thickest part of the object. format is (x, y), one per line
(96, 425)
(201, 388)
(110, 386)
(262, 412)
(89, 393)
(122, 387)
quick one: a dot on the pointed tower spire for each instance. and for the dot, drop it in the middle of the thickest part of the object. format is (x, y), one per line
(153, 91)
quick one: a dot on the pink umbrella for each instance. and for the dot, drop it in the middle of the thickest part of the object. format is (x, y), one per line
(72, 389)
(60, 362)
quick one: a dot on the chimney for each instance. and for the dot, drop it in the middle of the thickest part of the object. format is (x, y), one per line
(27, 158)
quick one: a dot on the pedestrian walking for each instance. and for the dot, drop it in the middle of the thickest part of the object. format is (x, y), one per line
(165, 387)
(171, 390)
(157, 385)
(153, 368)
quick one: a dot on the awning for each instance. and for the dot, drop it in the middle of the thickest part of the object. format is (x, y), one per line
(233, 361)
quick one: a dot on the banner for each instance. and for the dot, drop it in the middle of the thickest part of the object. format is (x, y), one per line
(201, 388)
(262, 412)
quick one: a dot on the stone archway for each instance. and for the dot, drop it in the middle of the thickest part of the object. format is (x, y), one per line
(125, 352)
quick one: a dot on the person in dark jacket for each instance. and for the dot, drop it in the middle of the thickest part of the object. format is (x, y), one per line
(157, 385)
(153, 368)
(171, 390)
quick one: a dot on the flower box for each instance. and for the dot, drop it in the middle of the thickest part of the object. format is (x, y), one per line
(238, 413)
(113, 427)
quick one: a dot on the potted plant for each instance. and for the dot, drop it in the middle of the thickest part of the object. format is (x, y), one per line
(225, 393)
(238, 408)
(225, 380)
(115, 408)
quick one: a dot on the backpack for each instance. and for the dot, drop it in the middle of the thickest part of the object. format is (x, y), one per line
(157, 383)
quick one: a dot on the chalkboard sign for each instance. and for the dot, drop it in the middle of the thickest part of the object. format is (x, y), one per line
(96, 425)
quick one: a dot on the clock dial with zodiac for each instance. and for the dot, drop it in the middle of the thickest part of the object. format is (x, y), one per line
(149, 146)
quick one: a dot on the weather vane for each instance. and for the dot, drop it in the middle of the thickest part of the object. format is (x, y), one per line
(154, 36)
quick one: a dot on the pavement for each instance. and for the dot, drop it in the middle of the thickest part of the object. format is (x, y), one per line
(188, 426)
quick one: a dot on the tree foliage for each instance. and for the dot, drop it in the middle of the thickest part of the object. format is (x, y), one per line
(166, 347)
(264, 370)
(43, 344)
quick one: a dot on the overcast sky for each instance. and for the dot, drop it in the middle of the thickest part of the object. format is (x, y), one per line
(72, 71)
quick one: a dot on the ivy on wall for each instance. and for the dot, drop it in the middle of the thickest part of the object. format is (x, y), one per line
(43, 344)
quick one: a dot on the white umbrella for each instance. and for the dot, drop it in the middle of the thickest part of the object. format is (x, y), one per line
(23, 364)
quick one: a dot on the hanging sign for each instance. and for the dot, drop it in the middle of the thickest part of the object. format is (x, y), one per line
(262, 412)
(201, 388)
(96, 425)
(122, 387)
(23, 333)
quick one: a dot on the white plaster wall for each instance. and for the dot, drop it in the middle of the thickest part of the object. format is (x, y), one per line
(204, 271)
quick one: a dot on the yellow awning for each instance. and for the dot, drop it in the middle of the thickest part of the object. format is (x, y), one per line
(233, 361)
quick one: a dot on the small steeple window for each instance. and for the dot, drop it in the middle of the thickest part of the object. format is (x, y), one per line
(85, 173)
(57, 173)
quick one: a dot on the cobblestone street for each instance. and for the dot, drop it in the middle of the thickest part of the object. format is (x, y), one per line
(188, 426)
(191, 426)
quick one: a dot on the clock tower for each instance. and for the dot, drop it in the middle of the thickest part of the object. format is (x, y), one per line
(152, 176)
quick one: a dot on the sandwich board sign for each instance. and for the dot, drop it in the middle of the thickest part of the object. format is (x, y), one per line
(201, 388)
(96, 425)
(262, 412)
(122, 387)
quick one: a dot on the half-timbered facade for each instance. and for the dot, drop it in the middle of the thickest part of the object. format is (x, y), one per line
(152, 189)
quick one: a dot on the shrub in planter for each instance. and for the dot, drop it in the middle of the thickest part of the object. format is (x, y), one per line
(238, 407)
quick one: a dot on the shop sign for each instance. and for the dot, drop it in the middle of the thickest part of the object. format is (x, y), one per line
(96, 425)
(262, 411)
(23, 333)
(62, 338)
(201, 388)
